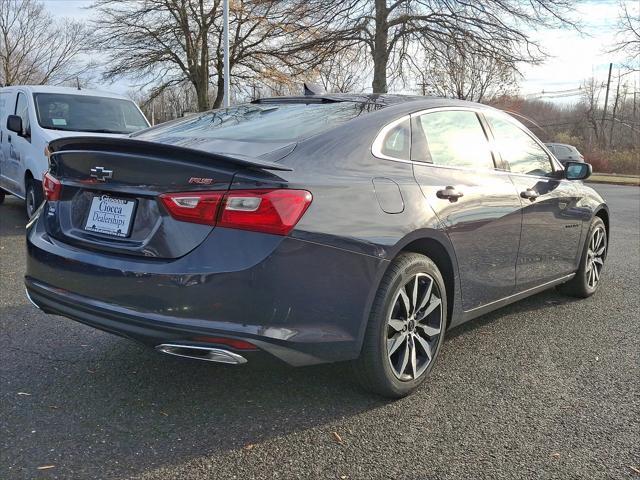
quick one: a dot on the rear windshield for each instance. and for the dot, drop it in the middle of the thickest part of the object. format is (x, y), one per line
(84, 113)
(256, 122)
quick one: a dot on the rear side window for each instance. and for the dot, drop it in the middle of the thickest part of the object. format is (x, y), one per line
(455, 139)
(397, 142)
(520, 152)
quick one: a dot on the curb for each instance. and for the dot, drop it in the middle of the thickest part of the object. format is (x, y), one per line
(611, 182)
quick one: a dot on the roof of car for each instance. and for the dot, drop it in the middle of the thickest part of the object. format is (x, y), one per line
(378, 98)
(381, 98)
(558, 144)
(400, 104)
(64, 90)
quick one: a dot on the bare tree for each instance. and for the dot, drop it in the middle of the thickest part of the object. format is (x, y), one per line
(168, 43)
(160, 43)
(35, 49)
(451, 71)
(344, 72)
(628, 35)
(591, 107)
(172, 102)
(496, 29)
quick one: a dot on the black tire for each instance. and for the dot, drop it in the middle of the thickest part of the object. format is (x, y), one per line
(375, 369)
(2, 195)
(582, 286)
(33, 196)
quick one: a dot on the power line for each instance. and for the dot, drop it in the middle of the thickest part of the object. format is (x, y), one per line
(555, 93)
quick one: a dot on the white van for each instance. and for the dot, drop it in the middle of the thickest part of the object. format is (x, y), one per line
(32, 116)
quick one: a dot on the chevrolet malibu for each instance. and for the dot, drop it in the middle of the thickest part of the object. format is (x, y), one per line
(312, 229)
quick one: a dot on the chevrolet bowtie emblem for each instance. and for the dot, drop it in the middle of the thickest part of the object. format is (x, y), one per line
(101, 174)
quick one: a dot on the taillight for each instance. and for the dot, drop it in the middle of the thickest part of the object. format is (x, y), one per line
(273, 211)
(52, 187)
(196, 207)
(268, 211)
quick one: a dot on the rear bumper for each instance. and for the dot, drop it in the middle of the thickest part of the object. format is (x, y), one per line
(152, 330)
(300, 302)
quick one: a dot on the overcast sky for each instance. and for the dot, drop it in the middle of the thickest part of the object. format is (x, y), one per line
(573, 56)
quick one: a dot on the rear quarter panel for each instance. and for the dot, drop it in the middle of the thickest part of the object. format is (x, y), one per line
(338, 168)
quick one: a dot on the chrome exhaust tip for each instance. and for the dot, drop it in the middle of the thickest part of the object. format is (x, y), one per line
(31, 299)
(207, 354)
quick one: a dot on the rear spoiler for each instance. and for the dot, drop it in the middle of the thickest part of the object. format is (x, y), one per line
(142, 147)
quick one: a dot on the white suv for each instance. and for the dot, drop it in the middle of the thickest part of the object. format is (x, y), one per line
(32, 116)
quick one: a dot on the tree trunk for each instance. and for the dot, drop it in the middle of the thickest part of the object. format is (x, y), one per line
(201, 85)
(217, 102)
(380, 55)
(202, 92)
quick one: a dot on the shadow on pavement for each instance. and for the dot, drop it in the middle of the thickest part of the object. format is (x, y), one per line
(102, 392)
(537, 303)
(12, 217)
(92, 391)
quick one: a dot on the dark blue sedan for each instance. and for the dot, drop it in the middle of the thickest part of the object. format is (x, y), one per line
(312, 229)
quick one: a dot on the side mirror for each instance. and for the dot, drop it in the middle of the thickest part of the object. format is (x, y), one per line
(14, 124)
(577, 170)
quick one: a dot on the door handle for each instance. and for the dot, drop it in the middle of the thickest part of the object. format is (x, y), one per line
(450, 193)
(530, 194)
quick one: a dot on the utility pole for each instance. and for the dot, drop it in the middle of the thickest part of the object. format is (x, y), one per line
(615, 108)
(225, 42)
(635, 94)
(606, 102)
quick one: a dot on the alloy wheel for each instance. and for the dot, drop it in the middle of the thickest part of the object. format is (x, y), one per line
(414, 326)
(595, 256)
(31, 201)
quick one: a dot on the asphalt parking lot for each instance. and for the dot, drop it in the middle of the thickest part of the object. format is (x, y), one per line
(546, 388)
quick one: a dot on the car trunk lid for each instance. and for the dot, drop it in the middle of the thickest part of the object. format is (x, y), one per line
(110, 193)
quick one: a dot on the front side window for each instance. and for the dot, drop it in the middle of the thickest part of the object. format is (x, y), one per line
(85, 113)
(520, 152)
(455, 139)
(22, 110)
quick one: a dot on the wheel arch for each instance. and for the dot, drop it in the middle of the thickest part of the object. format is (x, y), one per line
(603, 213)
(436, 245)
(26, 178)
(433, 249)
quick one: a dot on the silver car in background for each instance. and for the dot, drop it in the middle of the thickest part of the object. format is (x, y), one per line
(565, 153)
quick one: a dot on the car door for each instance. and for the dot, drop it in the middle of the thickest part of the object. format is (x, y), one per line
(7, 107)
(551, 221)
(20, 145)
(477, 204)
